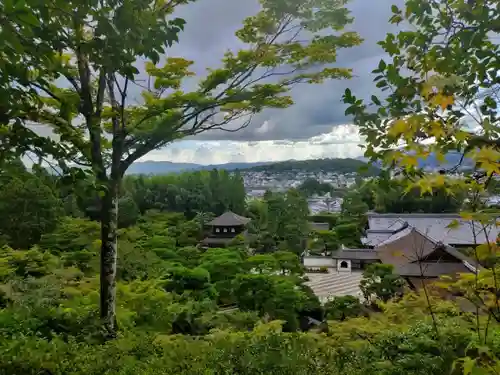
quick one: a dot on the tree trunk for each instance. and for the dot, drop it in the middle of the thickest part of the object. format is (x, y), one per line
(109, 219)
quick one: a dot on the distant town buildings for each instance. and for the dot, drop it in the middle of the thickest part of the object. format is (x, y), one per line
(324, 203)
(257, 183)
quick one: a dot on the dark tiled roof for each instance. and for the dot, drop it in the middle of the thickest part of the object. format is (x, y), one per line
(391, 230)
(436, 226)
(413, 214)
(319, 226)
(405, 247)
(362, 254)
(430, 269)
(453, 252)
(409, 247)
(229, 218)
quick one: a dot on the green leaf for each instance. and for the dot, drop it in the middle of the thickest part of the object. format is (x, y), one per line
(454, 224)
(29, 18)
(382, 65)
(467, 365)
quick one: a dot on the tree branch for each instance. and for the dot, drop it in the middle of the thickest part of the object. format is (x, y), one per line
(118, 136)
(92, 119)
(101, 85)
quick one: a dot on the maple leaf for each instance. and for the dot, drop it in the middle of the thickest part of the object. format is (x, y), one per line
(442, 100)
(397, 253)
(489, 158)
(454, 224)
(437, 129)
(409, 161)
(398, 127)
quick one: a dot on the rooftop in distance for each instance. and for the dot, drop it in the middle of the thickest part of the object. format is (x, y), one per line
(229, 218)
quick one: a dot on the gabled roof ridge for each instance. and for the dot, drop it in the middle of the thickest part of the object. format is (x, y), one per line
(229, 218)
(391, 240)
(454, 253)
(404, 225)
(424, 234)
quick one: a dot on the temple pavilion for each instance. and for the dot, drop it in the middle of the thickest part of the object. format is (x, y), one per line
(224, 229)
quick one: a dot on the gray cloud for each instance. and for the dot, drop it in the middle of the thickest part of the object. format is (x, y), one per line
(301, 131)
(210, 31)
(341, 141)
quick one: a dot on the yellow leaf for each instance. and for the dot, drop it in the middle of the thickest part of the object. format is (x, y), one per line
(440, 157)
(422, 153)
(483, 251)
(425, 186)
(488, 158)
(466, 215)
(427, 89)
(397, 253)
(398, 127)
(442, 285)
(454, 224)
(439, 180)
(442, 100)
(437, 130)
(409, 161)
(461, 135)
(393, 156)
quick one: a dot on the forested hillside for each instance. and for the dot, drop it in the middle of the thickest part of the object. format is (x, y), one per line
(340, 166)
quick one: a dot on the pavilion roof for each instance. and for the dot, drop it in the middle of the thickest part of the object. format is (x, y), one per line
(229, 218)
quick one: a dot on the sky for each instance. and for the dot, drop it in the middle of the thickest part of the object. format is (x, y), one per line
(315, 126)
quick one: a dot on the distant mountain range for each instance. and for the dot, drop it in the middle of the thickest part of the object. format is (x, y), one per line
(452, 159)
(339, 165)
(165, 167)
(332, 165)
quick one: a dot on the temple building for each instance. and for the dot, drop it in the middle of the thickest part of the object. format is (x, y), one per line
(224, 229)
(416, 257)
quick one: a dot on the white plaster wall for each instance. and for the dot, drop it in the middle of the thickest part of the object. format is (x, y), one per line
(312, 262)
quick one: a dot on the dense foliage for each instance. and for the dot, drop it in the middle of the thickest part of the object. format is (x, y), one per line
(28, 207)
(384, 195)
(214, 191)
(439, 93)
(279, 221)
(182, 309)
(72, 66)
(312, 186)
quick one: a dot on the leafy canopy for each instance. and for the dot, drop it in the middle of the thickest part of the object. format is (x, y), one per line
(441, 84)
(93, 47)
